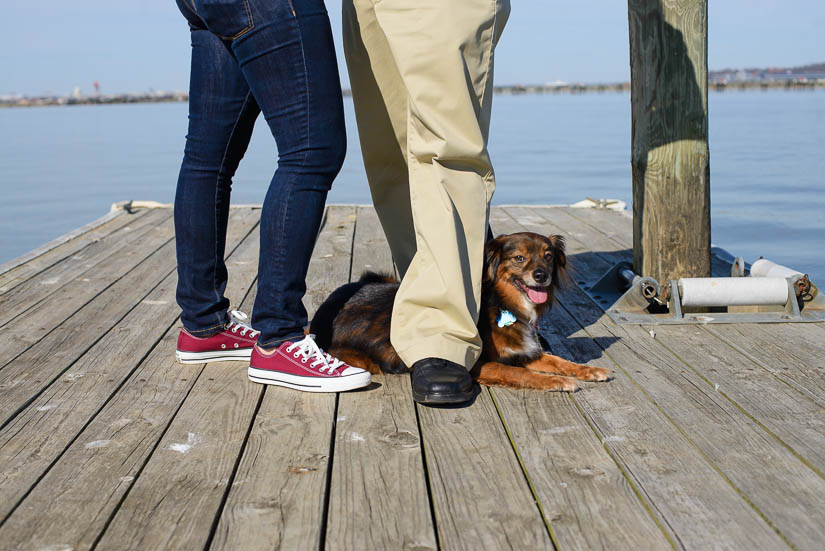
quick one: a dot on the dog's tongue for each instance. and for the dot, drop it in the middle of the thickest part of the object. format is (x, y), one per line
(537, 296)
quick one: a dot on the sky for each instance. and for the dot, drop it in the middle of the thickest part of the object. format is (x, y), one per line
(137, 45)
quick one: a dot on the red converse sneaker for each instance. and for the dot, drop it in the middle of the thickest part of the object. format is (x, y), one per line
(303, 365)
(235, 342)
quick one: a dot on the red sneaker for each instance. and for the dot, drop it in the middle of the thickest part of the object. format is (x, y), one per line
(235, 342)
(304, 366)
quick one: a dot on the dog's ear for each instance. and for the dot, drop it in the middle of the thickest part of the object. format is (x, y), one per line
(492, 259)
(557, 242)
(560, 275)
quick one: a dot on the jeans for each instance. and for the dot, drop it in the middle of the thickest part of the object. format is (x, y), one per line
(252, 56)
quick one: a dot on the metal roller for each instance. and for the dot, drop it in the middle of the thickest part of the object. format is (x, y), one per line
(734, 291)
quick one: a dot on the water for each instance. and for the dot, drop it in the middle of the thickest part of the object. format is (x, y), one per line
(61, 167)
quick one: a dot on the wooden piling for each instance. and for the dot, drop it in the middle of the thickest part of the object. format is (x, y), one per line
(670, 157)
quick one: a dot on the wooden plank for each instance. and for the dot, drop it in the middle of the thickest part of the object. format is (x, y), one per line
(70, 505)
(669, 150)
(614, 224)
(378, 492)
(40, 365)
(746, 383)
(23, 267)
(62, 305)
(100, 465)
(617, 227)
(41, 432)
(370, 250)
(77, 267)
(684, 488)
(480, 496)
(694, 378)
(587, 498)
(278, 496)
(173, 503)
(326, 273)
(792, 352)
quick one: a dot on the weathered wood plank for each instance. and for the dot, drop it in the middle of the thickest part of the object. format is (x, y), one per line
(40, 434)
(181, 488)
(326, 273)
(691, 370)
(618, 224)
(23, 267)
(41, 365)
(173, 503)
(370, 250)
(77, 267)
(794, 353)
(682, 484)
(66, 302)
(746, 384)
(586, 497)
(70, 505)
(684, 488)
(378, 493)
(480, 496)
(277, 498)
(617, 228)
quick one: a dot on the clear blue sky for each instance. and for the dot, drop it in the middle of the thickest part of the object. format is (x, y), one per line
(50, 46)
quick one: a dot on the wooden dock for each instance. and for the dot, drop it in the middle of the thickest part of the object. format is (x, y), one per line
(708, 437)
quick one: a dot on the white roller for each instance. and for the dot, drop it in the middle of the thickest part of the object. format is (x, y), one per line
(765, 268)
(733, 291)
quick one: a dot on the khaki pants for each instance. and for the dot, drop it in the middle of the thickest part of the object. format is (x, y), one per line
(421, 73)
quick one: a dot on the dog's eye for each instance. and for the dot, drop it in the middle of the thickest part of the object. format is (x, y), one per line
(518, 258)
(548, 256)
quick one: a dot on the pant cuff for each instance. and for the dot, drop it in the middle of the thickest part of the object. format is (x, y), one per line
(278, 341)
(206, 331)
(435, 347)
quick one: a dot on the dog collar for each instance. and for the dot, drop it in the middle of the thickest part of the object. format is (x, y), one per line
(505, 318)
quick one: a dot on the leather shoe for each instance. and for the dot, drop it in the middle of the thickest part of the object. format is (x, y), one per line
(439, 381)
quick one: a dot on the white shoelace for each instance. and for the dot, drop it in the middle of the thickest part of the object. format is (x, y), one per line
(308, 349)
(236, 322)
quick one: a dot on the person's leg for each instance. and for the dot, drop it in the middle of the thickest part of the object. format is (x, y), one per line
(380, 100)
(444, 54)
(288, 60)
(222, 114)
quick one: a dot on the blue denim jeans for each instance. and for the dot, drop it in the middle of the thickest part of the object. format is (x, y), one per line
(252, 56)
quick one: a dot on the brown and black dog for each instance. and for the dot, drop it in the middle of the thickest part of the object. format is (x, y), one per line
(521, 274)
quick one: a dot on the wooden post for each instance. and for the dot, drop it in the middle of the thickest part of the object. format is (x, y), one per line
(671, 174)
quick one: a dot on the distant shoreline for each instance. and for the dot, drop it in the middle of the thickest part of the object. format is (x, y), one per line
(511, 90)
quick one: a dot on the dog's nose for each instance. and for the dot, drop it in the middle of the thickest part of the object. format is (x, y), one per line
(540, 276)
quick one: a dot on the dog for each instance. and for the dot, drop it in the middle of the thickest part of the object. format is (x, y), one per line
(521, 274)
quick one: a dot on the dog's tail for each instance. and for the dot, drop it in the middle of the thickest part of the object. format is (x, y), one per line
(375, 277)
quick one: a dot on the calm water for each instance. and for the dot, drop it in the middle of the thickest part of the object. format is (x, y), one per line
(61, 167)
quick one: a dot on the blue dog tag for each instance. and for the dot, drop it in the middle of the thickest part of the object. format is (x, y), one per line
(505, 318)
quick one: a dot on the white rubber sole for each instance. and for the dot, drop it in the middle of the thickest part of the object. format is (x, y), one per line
(309, 384)
(229, 355)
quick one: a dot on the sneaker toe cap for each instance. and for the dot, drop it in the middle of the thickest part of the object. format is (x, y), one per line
(353, 371)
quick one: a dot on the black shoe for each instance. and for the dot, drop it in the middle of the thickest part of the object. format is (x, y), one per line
(438, 381)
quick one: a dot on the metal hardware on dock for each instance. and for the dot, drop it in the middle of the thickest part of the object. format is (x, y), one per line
(783, 296)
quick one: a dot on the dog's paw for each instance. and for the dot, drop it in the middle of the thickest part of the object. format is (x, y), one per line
(598, 374)
(566, 384)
